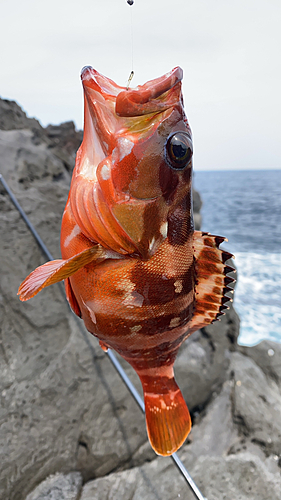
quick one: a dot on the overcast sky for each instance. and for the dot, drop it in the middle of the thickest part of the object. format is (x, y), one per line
(229, 51)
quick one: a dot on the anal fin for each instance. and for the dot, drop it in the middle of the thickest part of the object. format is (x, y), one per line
(212, 282)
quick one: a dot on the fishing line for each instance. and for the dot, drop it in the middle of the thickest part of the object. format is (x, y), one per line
(131, 3)
(121, 372)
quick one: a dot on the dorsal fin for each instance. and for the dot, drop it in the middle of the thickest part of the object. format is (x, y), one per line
(211, 279)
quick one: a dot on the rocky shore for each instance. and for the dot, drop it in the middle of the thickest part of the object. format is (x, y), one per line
(69, 430)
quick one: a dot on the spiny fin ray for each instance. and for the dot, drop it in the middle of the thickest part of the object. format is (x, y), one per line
(212, 282)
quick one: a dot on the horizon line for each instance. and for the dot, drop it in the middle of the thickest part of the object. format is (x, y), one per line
(247, 169)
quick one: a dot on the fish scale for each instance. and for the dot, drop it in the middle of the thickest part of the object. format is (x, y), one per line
(135, 271)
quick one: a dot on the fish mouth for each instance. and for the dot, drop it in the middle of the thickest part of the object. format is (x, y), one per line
(153, 97)
(110, 111)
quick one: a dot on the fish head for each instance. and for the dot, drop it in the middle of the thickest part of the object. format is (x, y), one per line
(137, 149)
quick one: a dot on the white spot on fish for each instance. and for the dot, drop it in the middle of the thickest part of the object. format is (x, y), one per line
(131, 297)
(163, 405)
(87, 169)
(126, 285)
(125, 146)
(75, 231)
(152, 243)
(174, 322)
(135, 329)
(164, 229)
(105, 172)
(178, 286)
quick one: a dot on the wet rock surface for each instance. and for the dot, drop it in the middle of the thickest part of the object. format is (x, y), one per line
(63, 409)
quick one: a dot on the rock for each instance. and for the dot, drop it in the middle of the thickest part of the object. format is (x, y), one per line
(197, 221)
(239, 477)
(64, 140)
(156, 480)
(202, 364)
(58, 487)
(13, 117)
(197, 204)
(214, 431)
(32, 151)
(267, 355)
(256, 404)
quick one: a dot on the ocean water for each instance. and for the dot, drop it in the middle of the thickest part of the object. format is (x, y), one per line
(245, 206)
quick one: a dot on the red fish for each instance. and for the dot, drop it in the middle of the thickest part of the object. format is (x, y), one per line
(135, 270)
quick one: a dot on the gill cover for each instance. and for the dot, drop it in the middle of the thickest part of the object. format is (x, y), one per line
(133, 167)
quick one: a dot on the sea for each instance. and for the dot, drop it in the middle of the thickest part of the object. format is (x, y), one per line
(245, 207)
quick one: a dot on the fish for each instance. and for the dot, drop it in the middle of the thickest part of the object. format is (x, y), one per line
(135, 270)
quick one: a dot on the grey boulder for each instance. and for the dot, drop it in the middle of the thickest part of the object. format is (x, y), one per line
(58, 487)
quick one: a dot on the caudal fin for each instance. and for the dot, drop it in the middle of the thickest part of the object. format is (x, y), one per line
(167, 419)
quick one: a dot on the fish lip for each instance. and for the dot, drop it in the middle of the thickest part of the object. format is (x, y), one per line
(84, 70)
(158, 86)
(155, 96)
(91, 78)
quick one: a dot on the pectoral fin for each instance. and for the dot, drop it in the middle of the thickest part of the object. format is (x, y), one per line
(55, 271)
(211, 279)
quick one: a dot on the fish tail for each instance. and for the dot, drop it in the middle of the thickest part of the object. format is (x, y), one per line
(168, 420)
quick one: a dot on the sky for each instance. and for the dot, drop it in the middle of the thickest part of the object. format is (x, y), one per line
(229, 52)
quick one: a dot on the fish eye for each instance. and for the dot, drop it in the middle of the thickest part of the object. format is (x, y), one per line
(179, 150)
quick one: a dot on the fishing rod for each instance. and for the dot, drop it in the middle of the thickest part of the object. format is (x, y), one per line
(121, 372)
